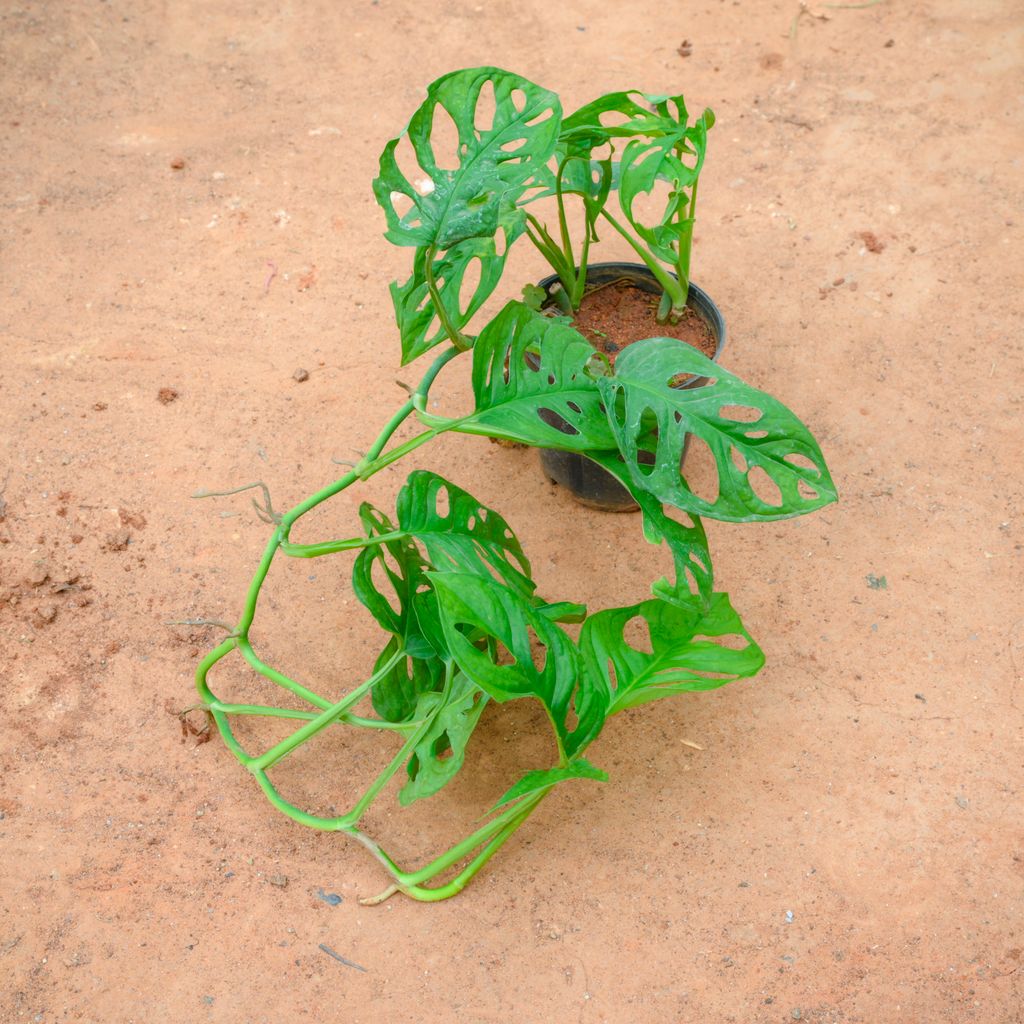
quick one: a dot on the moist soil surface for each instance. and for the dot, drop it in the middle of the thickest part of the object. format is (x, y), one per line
(618, 314)
(194, 295)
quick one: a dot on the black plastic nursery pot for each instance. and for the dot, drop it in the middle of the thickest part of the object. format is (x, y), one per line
(586, 481)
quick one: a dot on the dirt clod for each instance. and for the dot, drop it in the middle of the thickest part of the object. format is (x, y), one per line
(37, 575)
(118, 540)
(44, 614)
(167, 395)
(871, 241)
(136, 520)
(178, 164)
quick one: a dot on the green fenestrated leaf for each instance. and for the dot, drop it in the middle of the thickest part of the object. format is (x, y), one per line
(415, 311)
(640, 392)
(467, 537)
(403, 565)
(405, 572)
(684, 653)
(687, 541)
(473, 602)
(620, 115)
(531, 782)
(442, 750)
(533, 383)
(676, 155)
(493, 162)
(396, 695)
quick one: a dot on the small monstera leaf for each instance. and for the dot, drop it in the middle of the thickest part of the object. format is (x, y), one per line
(509, 623)
(685, 652)
(746, 430)
(464, 197)
(464, 535)
(493, 161)
(441, 751)
(401, 563)
(419, 326)
(533, 782)
(534, 382)
(396, 695)
(675, 158)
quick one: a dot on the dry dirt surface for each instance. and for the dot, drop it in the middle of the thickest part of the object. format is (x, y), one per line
(186, 221)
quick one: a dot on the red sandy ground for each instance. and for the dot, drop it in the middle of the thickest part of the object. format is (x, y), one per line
(185, 207)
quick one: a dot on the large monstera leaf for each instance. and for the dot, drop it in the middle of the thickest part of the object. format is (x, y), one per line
(507, 621)
(494, 161)
(686, 650)
(461, 534)
(745, 429)
(534, 382)
(463, 197)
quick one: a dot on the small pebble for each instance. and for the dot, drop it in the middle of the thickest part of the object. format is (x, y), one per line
(178, 164)
(300, 375)
(281, 881)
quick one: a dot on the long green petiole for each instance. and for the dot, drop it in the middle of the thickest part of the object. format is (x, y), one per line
(490, 836)
(670, 286)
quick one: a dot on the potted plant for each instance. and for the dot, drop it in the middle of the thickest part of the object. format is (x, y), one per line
(453, 594)
(609, 303)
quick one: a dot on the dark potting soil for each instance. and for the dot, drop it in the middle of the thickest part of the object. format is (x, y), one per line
(615, 315)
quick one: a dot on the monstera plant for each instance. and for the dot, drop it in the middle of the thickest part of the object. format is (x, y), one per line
(444, 576)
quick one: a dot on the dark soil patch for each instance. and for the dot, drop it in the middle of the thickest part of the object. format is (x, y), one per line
(615, 315)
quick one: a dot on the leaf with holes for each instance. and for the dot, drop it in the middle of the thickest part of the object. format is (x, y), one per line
(551, 673)
(534, 382)
(399, 562)
(461, 193)
(415, 311)
(774, 442)
(459, 533)
(685, 537)
(400, 566)
(441, 751)
(674, 154)
(396, 694)
(533, 782)
(684, 651)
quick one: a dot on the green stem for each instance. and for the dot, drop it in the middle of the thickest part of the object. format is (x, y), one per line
(300, 736)
(329, 547)
(463, 878)
(686, 243)
(669, 284)
(563, 223)
(268, 672)
(457, 338)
